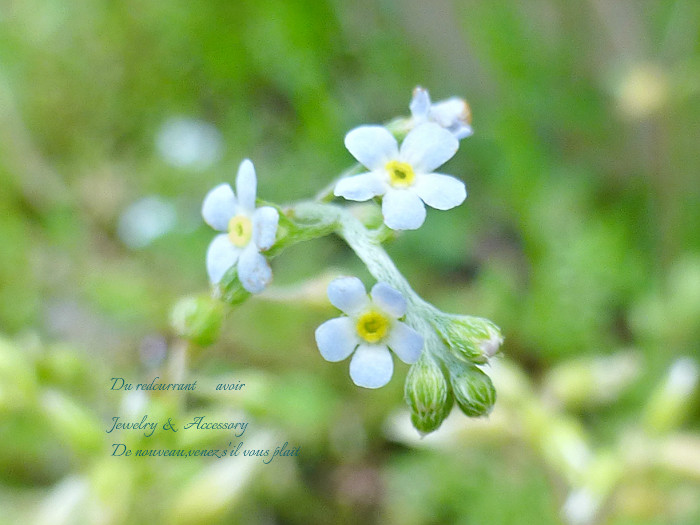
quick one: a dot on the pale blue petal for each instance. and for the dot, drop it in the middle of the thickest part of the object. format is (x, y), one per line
(348, 294)
(337, 338)
(361, 187)
(389, 300)
(253, 270)
(427, 147)
(403, 209)
(221, 255)
(405, 342)
(441, 192)
(420, 104)
(265, 220)
(219, 206)
(373, 146)
(246, 186)
(371, 366)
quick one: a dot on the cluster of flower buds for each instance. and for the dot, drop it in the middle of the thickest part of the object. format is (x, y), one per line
(449, 371)
(396, 170)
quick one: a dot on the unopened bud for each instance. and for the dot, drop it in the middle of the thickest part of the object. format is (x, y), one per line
(231, 289)
(453, 114)
(427, 394)
(473, 391)
(198, 319)
(472, 339)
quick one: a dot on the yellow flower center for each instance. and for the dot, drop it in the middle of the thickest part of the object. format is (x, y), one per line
(401, 174)
(240, 229)
(372, 326)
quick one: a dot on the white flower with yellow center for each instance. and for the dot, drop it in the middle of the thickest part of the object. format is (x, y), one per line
(452, 114)
(370, 329)
(403, 176)
(248, 231)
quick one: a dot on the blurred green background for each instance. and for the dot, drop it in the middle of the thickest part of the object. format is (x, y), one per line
(579, 239)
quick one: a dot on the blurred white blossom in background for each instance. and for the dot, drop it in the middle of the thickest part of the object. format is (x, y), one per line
(189, 143)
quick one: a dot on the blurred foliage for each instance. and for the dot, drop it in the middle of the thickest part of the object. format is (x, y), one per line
(579, 239)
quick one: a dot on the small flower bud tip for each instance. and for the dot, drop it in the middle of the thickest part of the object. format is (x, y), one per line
(473, 391)
(471, 339)
(428, 395)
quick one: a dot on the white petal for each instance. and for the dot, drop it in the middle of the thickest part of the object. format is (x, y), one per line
(371, 366)
(441, 192)
(348, 294)
(265, 221)
(403, 210)
(389, 299)
(360, 187)
(221, 255)
(405, 342)
(428, 146)
(373, 146)
(246, 186)
(219, 206)
(253, 270)
(420, 104)
(337, 338)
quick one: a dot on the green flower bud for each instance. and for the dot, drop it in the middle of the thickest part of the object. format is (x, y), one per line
(400, 126)
(197, 319)
(231, 289)
(473, 391)
(427, 394)
(471, 339)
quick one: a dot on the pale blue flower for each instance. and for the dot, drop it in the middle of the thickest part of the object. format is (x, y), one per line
(403, 175)
(370, 329)
(248, 231)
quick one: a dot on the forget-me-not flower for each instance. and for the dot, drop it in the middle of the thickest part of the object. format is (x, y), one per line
(248, 231)
(370, 329)
(403, 175)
